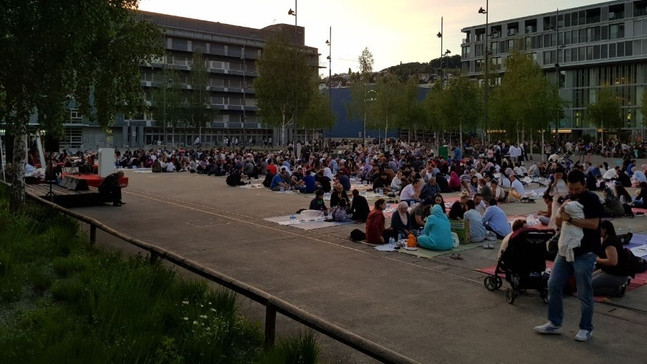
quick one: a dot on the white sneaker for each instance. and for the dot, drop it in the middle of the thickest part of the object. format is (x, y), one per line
(549, 329)
(583, 335)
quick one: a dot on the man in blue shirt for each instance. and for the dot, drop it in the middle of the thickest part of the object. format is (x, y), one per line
(280, 181)
(496, 220)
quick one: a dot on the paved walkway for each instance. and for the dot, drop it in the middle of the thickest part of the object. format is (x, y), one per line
(432, 310)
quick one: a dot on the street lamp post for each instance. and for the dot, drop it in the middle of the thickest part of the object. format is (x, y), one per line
(440, 35)
(296, 43)
(367, 99)
(487, 65)
(166, 85)
(329, 44)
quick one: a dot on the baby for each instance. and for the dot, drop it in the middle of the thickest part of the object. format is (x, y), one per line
(570, 235)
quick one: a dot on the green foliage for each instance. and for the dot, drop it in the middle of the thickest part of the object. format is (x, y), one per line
(83, 304)
(389, 91)
(59, 51)
(285, 85)
(318, 115)
(300, 350)
(167, 100)
(198, 108)
(606, 112)
(526, 100)
(365, 64)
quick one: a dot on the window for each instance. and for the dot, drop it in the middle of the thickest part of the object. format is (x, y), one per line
(612, 50)
(567, 37)
(621, 49)
(628, 49)
(616, 12)
(616, 31)
(640, 8)
(596, 52)
(603, 51)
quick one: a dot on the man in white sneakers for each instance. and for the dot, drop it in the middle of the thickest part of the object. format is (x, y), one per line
(581, 267)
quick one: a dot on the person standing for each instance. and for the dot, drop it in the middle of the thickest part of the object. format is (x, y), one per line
(582, 265)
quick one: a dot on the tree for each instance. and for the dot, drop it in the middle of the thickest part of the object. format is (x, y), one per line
(461, 105)
(57, 51)
(410, 113)
(361, 96)
(433, 109)
(285, 83)
(388, 89)
(318, 115)
(168, 101)
(525, 100)
(606, 112)
(198, 106)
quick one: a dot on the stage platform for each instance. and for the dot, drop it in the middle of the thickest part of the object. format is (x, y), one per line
(66, 197)
(81, 182)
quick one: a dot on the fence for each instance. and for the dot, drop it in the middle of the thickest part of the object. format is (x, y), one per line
(272, 304)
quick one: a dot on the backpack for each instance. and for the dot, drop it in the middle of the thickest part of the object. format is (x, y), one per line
(635, 264)
(357, 235)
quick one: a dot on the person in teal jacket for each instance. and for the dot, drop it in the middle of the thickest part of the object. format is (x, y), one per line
(437, 234)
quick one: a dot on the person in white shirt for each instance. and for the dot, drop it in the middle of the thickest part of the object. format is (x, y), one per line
(517, 192)
(411, 191)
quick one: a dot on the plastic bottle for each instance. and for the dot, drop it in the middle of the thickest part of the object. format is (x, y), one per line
(391, 241)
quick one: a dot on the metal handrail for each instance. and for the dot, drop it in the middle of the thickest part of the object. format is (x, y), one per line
(272, 303)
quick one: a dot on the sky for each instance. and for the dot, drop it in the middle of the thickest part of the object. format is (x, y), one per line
(393, 31)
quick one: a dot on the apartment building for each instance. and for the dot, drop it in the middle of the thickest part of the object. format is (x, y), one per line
(231, 53)
(586, 48)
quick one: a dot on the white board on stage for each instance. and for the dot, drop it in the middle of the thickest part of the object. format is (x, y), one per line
(106, 161)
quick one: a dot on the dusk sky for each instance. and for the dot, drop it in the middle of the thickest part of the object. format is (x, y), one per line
(394, 31)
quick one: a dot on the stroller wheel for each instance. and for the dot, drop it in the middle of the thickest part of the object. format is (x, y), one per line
(510, 295)
(543, 294)
(490, 283)
(499, 282)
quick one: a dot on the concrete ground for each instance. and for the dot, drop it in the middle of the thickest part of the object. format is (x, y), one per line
(431, 310)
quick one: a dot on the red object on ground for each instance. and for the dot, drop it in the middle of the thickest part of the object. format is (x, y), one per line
(94, 180)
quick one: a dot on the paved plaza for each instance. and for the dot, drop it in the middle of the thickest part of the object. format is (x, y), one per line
(431, 310)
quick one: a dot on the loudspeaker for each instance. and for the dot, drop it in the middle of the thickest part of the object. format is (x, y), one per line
(52, 144)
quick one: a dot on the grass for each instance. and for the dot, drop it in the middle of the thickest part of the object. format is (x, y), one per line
(65, 301)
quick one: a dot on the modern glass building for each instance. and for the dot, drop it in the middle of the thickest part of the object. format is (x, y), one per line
(230, 53)
(589, 47)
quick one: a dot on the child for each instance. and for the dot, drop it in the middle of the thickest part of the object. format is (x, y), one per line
(570, 235)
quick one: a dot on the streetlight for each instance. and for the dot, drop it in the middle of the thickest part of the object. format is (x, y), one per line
(487, 64)
(440, 35)
(372, 98)
(329, 44)
(296, 43)
(168, 83)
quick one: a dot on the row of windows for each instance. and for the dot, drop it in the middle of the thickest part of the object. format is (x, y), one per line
(590, 53)
(184, 78)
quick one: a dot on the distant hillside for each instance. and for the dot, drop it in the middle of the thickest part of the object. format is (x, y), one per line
(405, 69)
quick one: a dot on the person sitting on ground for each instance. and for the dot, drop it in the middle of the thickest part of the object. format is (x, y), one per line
(477, 230)
(318, 202)
(516, 225)
(338, 195)
(611, 205)
(496, 220)
(454, 182)
(625, 199)
(440, 201)
(110, 188)
(442, 183)
(411, 191)
(517, 192)
(235, 177)
(280, 181)
(497, 192)
(430, 189)
(359, 208)
(479, 204)
(641, 196)
(323, 182)
(544, 215)
(396, 182)
(420, 213)
(296, 179)
(340, 212)
(459, 207)
(437, 234)
(375, 224)
(309, 183)
(382, 182)
(613, 276)
(401, 221)
(485, 190)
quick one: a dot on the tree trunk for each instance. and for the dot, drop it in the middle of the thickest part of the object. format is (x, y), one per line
(460, 136)
(17, 199)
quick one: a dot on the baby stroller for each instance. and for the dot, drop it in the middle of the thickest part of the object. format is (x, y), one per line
(523, 264)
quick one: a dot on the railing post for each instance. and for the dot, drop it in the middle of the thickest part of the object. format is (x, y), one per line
(154, 257)
(270, 326)
(93, 234)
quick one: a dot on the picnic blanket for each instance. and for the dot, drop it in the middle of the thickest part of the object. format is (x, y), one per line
(306, 220)
(429, 254)
(252, 185)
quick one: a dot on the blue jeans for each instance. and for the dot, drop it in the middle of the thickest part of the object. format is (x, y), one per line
(582, 269)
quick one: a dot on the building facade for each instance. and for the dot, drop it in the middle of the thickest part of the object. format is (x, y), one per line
(230, 53)
(585, 48)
